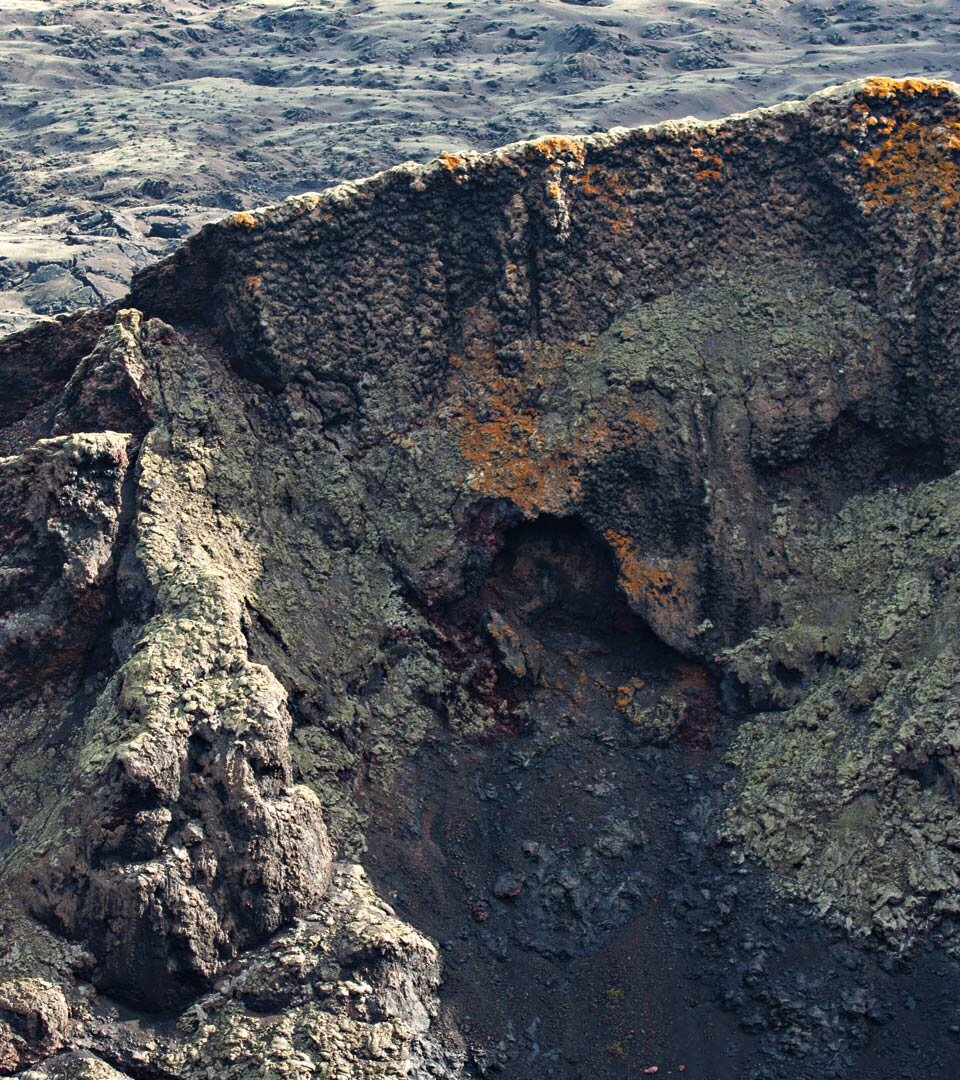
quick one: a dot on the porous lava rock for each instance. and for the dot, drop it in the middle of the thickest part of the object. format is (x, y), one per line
(256, 555)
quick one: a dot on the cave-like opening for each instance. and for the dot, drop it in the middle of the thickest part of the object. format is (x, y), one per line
(562, 642)
(557, 580)
(537, 855)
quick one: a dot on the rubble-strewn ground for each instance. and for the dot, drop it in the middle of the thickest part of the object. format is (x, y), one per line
(123, 126)
(499, 619)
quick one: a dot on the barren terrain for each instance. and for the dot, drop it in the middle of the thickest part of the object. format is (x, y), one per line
(123, 126)
(497, 618)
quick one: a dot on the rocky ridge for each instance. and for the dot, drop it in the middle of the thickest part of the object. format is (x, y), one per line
(125, 126)
(324, 507)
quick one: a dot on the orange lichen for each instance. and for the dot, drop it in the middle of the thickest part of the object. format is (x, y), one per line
(626, 693)
(554, 146)
(709, 166)
(244, 219)
(665, 589)
(518, 447)
(908, 154)
(886, 88)
(637, 578)
(553, 189)
(450, 161)
(610, 190)
(253, 282)
(629, 424)
(715, 170)
(600, 183)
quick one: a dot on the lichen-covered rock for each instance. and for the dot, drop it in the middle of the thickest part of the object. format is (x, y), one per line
(73, 1067)
(348, 992)
(62, 502)
(250, 521)
(848, 790)
(114, 387)
(179, 837)
(34, 1019)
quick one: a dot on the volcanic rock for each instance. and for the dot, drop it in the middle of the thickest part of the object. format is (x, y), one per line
(577, 520)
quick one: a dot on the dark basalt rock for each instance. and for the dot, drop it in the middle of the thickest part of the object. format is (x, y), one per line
(569, 531)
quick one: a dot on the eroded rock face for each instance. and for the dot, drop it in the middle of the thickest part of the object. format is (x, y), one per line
(180, 838)
(856, 699)
(34, 1021)
(62, 518)
(578, 440)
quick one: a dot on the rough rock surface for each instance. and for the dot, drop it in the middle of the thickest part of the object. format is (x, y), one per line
(571, 531)
(862, 676)
(124, 126)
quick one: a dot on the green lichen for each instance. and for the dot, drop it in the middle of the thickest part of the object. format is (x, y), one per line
(659, 721)
(847, 784)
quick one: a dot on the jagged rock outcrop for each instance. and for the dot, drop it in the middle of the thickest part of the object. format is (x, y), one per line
(180, 838)
(254, 560)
